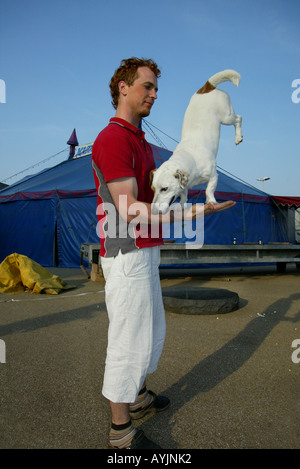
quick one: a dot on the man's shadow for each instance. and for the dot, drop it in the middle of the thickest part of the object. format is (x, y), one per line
(219, 365)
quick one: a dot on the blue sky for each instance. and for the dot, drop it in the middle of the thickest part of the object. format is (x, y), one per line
(58, 56)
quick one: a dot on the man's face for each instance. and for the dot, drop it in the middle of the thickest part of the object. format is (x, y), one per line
(142, 93)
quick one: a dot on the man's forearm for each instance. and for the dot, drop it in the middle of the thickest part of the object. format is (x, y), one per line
(141, 212)
(134, 211)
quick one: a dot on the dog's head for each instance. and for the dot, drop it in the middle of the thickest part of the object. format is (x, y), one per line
(167, 184)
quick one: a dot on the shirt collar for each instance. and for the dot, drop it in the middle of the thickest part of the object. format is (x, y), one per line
(127, 125)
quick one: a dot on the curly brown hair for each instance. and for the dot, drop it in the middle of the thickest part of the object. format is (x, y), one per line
(128, 72)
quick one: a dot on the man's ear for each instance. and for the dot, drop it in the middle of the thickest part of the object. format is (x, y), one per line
(182, 177)
(151, 177)
(122, 87)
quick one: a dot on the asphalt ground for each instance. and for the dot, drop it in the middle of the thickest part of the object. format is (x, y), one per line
(233, 379)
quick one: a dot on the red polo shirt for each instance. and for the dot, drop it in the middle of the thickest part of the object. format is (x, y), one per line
(121, 150)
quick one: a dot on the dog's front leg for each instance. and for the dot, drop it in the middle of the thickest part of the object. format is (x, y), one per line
(210, 189)
(183, 197)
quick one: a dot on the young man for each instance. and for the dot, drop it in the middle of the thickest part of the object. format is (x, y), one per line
(122, 161)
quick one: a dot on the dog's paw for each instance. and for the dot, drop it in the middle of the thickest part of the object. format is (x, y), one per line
(211, 201)
(238, 140)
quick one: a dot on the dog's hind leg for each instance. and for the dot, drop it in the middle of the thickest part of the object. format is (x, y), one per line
(238, 130)
(234, 119)
(229, 117)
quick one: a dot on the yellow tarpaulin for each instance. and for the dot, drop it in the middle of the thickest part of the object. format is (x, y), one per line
(19, 273)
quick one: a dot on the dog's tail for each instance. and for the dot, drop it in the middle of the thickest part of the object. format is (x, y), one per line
(220, 77)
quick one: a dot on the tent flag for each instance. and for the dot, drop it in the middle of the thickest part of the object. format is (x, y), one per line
(73, 142)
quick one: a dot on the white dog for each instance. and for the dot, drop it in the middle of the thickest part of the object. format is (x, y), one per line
(194, 159)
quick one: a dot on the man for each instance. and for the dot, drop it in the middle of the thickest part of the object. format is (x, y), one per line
(122, 161)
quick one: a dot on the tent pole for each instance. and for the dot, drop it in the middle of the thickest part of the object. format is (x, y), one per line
(244, 221)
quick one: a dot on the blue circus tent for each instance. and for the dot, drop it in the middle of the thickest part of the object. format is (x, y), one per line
(48, 215)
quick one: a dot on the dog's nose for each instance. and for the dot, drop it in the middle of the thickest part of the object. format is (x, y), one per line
(157, 208)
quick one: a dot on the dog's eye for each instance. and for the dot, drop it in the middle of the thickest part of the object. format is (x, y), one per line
(163, 189)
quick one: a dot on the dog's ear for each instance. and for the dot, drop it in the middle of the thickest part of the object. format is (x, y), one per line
(182, 177)
(151, 177)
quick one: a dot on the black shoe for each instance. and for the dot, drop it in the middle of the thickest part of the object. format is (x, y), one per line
(158, 404)
(140, 441)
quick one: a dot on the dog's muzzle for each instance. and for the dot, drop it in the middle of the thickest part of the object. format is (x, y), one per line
(157, 208)
(161, 207)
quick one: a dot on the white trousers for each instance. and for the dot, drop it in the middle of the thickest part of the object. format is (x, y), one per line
(137, 326)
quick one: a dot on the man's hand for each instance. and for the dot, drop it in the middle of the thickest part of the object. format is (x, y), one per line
(214, 208)
(200, 210)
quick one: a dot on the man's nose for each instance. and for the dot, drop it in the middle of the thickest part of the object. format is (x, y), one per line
(153, 94)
